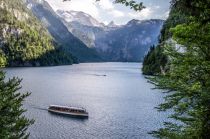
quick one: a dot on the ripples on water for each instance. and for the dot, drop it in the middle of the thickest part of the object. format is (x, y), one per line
(118, 98)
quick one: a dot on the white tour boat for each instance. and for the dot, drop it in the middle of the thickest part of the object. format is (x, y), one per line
(71, 111)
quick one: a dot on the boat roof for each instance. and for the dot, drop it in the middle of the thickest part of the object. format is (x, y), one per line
(69, 107)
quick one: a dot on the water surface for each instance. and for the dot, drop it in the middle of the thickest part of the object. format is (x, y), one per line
(118, 98)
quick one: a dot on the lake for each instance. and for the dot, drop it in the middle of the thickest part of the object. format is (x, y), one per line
(120, 104)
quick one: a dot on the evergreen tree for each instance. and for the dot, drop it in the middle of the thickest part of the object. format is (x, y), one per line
(155, 61)
(188, 80)
(13, 124)
(2, 59)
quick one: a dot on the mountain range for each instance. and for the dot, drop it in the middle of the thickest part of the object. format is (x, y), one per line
(33, 34)
(60, 33)
(94, 39)
(113, 42)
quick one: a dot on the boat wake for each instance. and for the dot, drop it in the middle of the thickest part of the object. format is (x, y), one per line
(39, 108)
(36, 107)
(104, 75)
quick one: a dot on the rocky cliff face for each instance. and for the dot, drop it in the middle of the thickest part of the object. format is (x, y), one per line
(82, 25)
(127, 42)
(78, 30)
(60, 32)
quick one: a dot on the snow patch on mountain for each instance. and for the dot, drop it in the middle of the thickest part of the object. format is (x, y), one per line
(78, 16)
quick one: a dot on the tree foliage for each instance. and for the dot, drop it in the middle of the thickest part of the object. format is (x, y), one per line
(131, 3)
(154, 61)
(188, 79)
(13, 123)
(24, 42)
(160, 59)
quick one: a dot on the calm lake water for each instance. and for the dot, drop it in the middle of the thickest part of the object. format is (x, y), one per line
(120, 104)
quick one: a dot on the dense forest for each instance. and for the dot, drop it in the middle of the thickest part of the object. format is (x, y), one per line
(185, 71)
(24, 42)
(156, 60)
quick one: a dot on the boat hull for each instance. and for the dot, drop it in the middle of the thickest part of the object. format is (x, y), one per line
(76, 115)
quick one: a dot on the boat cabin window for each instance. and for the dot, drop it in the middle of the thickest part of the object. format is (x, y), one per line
(67, 109)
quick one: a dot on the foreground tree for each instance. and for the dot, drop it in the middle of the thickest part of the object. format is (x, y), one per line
(13, 124)
(188, 80)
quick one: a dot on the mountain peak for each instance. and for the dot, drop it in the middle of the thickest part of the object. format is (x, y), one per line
(112, 24)
(150, 21)
(79, 16)
(134, 21)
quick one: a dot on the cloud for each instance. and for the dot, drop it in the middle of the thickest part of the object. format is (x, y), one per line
(117, 13)
(106, 10)
(145, 13)
(106, 4)
(87, 6)
(157, 7)
(108, 7)
(166, 14)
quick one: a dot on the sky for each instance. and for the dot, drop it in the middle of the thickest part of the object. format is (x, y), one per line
(106, 11)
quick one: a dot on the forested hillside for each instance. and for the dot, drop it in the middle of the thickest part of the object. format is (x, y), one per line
(23, 40)
(185, 42)
(155, 61)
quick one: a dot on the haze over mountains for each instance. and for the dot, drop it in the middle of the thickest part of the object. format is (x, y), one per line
(113, 42)
(89, 40)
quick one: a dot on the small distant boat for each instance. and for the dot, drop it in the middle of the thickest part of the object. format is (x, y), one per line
(71, 111)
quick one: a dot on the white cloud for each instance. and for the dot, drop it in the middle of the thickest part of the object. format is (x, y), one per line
(117, 13)
(108, 7)
(166, 14)
(106, 4)
(106, 10)
(157, 7)
(144, 14)
(133, 15)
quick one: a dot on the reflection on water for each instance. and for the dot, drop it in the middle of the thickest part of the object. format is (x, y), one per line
(118, 98)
